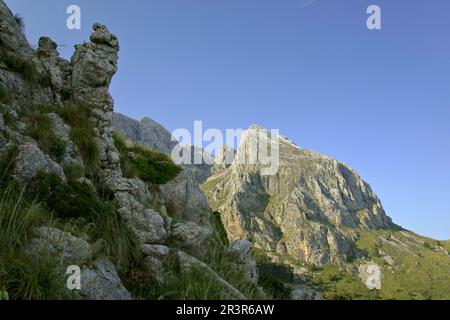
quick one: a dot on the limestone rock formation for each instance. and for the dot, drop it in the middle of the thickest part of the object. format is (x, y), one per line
(146, 132)
(310, 209)
(183, 195)
(192, 237)
(31, 160)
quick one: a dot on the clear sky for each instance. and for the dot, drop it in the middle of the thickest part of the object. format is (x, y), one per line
(377, 100)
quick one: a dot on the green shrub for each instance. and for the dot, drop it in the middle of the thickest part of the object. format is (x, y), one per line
(78, 117)
(35, 277)
(74, 171)
(23, 276)
(272, 276)
(45, 80)
(79, 200)
(4, 295)
(114, 239)
(69, 200)
(66, 94)
(25, 67)
(274, 287)
(40, 128)
(148, 165)
(216, 222)
(5, 95)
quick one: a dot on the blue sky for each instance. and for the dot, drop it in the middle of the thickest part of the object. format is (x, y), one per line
(377, 100)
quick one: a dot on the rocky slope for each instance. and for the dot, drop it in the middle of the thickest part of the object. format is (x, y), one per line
(57, 131)
(317, 211)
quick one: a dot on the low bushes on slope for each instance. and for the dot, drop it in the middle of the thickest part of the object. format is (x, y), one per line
(40, 128)
(23, 276)
(78, 117)
(79, 203)
(23, 66)
(146, 164)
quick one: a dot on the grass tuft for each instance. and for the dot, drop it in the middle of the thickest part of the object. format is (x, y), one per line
(146, 164)
(78, 117)
(40, 128)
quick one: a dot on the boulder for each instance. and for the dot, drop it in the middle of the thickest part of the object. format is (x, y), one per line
(101, 282)
(191, 237)
(31, 160)
(67, 248)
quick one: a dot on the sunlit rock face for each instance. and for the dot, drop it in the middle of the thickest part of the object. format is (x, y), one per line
(310, 209)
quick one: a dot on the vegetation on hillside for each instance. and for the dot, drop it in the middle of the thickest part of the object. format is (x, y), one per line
(146, 164)
(82, 134)
(23, 276)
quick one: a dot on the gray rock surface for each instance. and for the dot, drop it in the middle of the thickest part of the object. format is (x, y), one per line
(71, 155)
(155, 267)
(146, 132)
(30, 160)
(370, 274)
(192, 237)
(69, 249)
(101, 282)
(12, 39)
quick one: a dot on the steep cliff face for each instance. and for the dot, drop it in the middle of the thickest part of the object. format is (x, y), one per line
(310, 209)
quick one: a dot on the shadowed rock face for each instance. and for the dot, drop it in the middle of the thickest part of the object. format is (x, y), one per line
(310, 209)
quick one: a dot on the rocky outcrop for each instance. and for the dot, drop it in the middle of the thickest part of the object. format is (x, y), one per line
(182, 196)
(71, 156)
(94, 65)
(145, 132)
(12, 39)
(101, 282)
(31, 160)
(68, 249)
(309, 209)
(192, 237)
